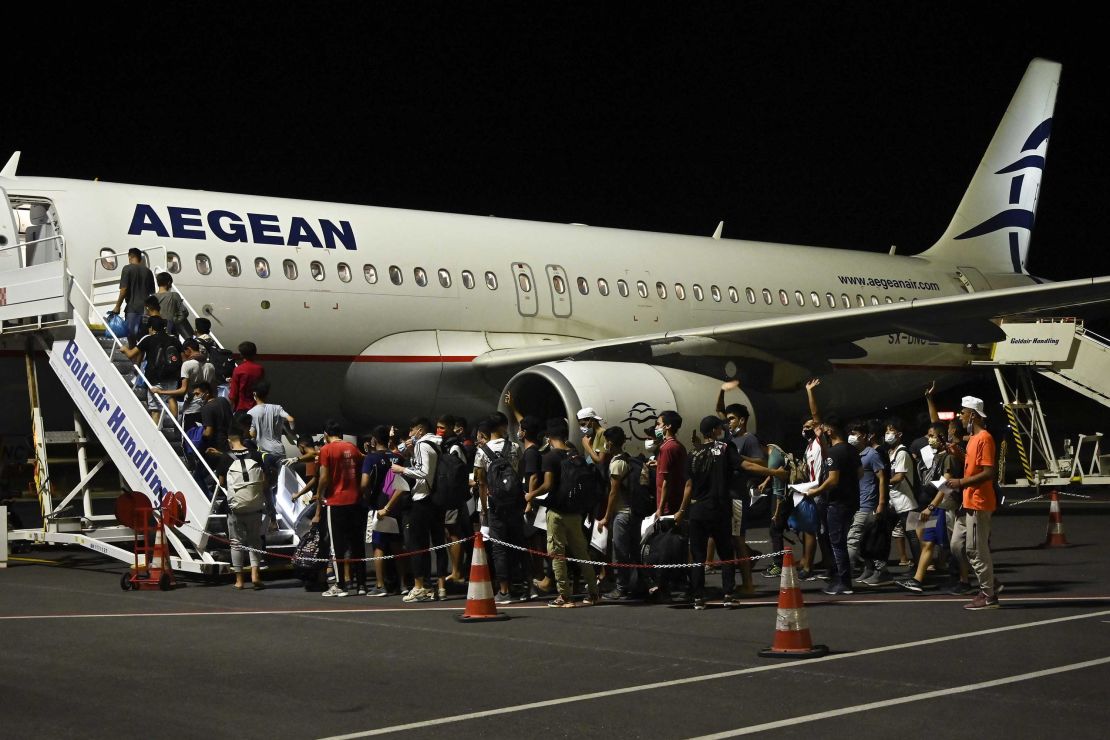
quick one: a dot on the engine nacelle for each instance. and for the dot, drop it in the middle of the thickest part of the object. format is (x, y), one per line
(624, 394)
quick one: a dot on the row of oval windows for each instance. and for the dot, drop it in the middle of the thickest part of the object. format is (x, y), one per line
(420, 275)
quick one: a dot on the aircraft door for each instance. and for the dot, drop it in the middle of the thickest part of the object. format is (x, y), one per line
(560, 291)
(9, 237)
(525, 283)
(643, 291)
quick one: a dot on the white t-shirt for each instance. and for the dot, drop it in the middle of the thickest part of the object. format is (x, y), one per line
(815, 460)
(901, 495)
(481, 462)
(194, 371)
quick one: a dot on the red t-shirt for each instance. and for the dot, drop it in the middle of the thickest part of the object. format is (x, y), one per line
(671, 460)
(980, 453)
(240, 388)
(344, 462)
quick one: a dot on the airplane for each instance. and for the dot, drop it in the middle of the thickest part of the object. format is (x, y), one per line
(376, 314)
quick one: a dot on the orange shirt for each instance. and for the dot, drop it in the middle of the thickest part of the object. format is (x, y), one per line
(980, 453)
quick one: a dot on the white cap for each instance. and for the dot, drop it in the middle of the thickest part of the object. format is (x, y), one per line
(588, 413)
(973, 403)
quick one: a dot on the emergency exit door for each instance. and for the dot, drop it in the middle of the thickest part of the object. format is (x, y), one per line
(560, 291)
(525, 289)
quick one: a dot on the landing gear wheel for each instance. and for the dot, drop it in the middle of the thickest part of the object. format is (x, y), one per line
(164, 582)
(125, 582)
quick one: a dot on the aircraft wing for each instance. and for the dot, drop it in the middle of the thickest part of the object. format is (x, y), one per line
(964, 319)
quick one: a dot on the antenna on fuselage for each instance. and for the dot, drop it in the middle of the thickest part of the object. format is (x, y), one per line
(720, 228)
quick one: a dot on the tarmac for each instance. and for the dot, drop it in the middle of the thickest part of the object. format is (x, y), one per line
(81, 658)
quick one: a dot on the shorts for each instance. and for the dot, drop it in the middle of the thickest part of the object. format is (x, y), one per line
(936, 530)
(152, 398)
(739, 520)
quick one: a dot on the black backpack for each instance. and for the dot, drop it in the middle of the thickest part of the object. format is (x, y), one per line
(874, 542)
(163, 363)
(505, 489)
(452, 480)
(222, 360)
(639, 487)
(579, 489)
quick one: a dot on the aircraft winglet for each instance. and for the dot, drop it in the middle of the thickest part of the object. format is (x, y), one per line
(9, 168)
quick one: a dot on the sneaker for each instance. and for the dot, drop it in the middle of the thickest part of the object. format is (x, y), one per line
(501, 598)
(839, 589)
(806, 575)
(526, 595)
(361, 591)
(876, 579)
(615, 595)
(418, 594)
(912, 584)
(377, 591)
(335, 590)
(441, 594)
(982, 601)
(773, 572)
(699, 604)
(961, 589)
(590, 599)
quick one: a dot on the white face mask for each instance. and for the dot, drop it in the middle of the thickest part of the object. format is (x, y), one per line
(853, 439)
(584, 429)
(891, 438)
(649, 443)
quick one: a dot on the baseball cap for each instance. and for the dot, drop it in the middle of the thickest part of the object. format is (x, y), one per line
(588, 413)
(973, 403)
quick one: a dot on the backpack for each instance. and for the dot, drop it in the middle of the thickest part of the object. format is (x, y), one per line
(245, 484)
(796, 467)
(505, 489)
(164, 362)
(452, 480)
(579, 489)
(664, 545)
(874, 542)
(638, 486)
(222, 360)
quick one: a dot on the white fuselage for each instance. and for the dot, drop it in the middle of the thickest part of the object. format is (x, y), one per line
(361, 343)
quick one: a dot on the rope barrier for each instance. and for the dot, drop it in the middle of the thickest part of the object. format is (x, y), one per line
(556, 556)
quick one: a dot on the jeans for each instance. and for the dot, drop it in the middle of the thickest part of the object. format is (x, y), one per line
(507, 525)
(859, 521)
(840, 519)
(134, 326)
(565, 537)
(721, 532)
(970, 539)
(626, 546)
(424, 523)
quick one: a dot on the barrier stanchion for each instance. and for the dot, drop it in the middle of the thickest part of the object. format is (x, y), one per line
(480, 606)
(792, 638)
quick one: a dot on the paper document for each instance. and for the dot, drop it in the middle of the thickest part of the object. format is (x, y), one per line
(649, 523)
(384, 524)
(941, 483)
(599, 540)
(540, 521)
(927, 454)
(798, 490)
(287, 486)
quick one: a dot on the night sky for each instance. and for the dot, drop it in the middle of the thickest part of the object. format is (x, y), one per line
(849, 125)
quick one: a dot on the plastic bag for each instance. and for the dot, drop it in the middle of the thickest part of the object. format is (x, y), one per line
(805, 517)
(116, 325)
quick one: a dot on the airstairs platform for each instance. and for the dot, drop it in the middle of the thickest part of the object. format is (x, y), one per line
(46, 303)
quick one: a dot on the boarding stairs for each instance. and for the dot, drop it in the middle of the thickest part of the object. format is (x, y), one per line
(1062, 350)
(63, 320)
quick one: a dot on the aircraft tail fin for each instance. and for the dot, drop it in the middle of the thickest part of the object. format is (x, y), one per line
(993, 225)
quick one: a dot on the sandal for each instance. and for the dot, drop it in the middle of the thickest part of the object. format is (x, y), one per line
(540, 590)
(238, 587)
(258, 585)
(560, 603)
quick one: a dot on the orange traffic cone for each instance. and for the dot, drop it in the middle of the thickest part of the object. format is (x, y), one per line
(792, 638)
(479, 594)
(1055, 537)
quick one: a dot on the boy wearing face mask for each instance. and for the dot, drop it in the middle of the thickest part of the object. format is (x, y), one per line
(903, 490)
(592, 428)
(841, 485)
(936, 517)
(872, 503)
(972, 531)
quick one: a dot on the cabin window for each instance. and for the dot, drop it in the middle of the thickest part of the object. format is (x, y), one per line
(902, 299)
(874, 300)
(491, 281)
(370, 273)
(603, 286)
(204, 265)
(888, 299)
(680, 291)
(831, 300)
(661, 290)
(108, 259)
(641, 288)
(261, 267)
(468, 279)
(859, 301)
(233, 267)
(622, 288)
(800, 298)
(395, 275)
(289, 267)
(316, 270)
(173, 262)
(845, 301)
(343, 270)
(559, 284)
(815, 299)
(733, 294)
(444, 278)
(767, 297)
(750, 295)
(420, 275)
(698, 292)
(715, 292)
(524, 282)
(583, 286)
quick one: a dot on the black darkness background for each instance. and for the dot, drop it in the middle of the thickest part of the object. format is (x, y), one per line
(840, 124)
